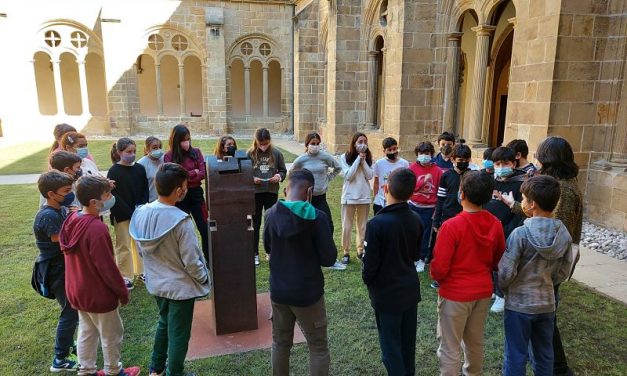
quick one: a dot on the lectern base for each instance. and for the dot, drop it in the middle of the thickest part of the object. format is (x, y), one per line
(205, 344)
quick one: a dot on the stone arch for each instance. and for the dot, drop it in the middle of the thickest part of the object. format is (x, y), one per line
(168, 32)
(239, 50)
(491, 7)
(44, 80)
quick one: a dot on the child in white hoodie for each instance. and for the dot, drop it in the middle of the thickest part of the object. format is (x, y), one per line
(174, 265)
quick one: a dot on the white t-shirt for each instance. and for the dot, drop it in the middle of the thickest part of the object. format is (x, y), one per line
(382, 169)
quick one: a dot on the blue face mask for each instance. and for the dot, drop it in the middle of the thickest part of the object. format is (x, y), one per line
(128, 159)
(82, 152)
(459, 197)
(68, 199)
(156, 153)
(108, 204)
(488, 164)
(503, 172)
(424, 158)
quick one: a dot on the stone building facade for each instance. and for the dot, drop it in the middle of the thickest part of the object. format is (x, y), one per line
(488, 70)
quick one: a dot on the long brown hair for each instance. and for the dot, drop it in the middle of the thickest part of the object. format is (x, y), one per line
(261, 134)
(352, 152)
(219, 151)
(58, 132)
(70, 138)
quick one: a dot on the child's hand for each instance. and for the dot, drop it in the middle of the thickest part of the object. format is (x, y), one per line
(362, 155)
(275, 179)
(436, 229)
(508, 199)
(496, 195)
(73, 208)
(257, 180)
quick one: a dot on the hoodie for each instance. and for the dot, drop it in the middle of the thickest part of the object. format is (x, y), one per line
(509, 219)
(266, 164)
(467, 251)
(357, 176)
(538, 256)
(93, 282)
(174, 264)
(298, 239)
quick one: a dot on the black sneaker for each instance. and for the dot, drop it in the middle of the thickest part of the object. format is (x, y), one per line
(346, 259)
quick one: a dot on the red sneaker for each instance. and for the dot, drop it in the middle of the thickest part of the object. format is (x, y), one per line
(130, 371)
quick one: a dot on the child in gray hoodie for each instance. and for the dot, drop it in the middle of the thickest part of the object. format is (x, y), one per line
(174, 265)
(538, 256)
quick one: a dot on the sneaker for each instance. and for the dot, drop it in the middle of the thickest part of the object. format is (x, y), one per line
(256, 260)
(346, 259)
(154, 372)
(129, 284)
(69, 364)
(498, 306)
(130, 371)
(435, 285)
(420, 266)
(142, 277)
(338, 266)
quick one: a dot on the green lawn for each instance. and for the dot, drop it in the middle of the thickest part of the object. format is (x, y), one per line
(32, 157)
(594, 328)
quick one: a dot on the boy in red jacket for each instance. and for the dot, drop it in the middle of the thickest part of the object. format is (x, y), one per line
(93, 283)
(468, 249)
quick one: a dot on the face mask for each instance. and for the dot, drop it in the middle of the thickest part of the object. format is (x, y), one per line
(361, 148)
(462, 166)
(488, 164)
(186, 145)
(459, 197)
(128, 159)
(182, 196)
(424, 158)
(503, 172)
(527, 211)
(230, 150)
(263, 148)
(108, 204)
(156, 153)
(446, 149)
(68, 199)
(391, 156)
(313, 149)
(78, 173)
(82, 152)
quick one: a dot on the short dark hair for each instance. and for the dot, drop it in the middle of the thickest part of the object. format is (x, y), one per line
(52, 181)
(59, 160)
(302, 175)
(401, 183)
(169, 176)
(91, 187)
(519, 146)
(477, 187)
(461, 150)
(446, 136)
(388, 142)
(544, 190)
(557, 158)
(424, 147)
(487, 154)
(503, 153)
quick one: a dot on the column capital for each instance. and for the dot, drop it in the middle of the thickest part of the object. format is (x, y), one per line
(246, 67)
(454, 37)
(265, 67)
(373, 54)
(384, 50)
(483, 30)
(513, 21)
(181, 66)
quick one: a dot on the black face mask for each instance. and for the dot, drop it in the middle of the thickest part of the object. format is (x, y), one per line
(462, 166)
(230, 150)
(78, 174)
(391, 156)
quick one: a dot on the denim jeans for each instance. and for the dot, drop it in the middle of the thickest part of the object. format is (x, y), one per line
(426, 216)
(397, 338)
(525, 333)
(68, 319)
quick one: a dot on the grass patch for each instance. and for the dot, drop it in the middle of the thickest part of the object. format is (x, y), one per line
(594, 328)
(32, 157)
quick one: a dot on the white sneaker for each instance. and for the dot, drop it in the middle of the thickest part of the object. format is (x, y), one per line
(498, 306)
(256, 260)
(338, 266)
(420, 266)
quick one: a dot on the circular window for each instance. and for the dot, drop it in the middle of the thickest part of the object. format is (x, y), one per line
(52, 38)
(179, 42)
(155, 42)
(246, 48)
(265, 49)
(78, 39)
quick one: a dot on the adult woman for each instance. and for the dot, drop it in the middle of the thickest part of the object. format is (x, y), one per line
(226, 146)
(324, 168)
(181, 152)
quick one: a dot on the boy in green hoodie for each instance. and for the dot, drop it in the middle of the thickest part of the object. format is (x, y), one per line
(174, 266)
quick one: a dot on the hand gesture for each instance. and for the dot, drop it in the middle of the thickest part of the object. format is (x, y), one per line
(508, 199)
(275, 179)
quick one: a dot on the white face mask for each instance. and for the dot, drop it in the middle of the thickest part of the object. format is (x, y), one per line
(313, 149)
(361, 148)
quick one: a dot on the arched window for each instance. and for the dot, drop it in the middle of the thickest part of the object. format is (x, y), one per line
(44, 79)
(237, 88)
(170, 85)
(96, 84)
(375, 106)
(147, 82)
(193, 85)
(70, 82)
(274, 88)
(256, 88)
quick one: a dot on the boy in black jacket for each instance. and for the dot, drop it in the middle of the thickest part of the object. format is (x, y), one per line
(298, 237)
(393, 239)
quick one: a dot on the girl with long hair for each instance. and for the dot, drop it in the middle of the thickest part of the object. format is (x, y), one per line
(225, 147)
(152, 159)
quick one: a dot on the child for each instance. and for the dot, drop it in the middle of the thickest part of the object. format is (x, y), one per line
(506, 179)
(93, 283)
(356, 167)
(226, 147)
(446, 141)
(424, 198)
(488, 163)
(393, 242)
(299, 239)
(69, 163)
(130, 191)
(152, 159)
(522, 150)
(467, 250)
(176, 273)
(448, 205)
(182, 152)
(382, 168)
(324, 168)
(75, 142)
(268, 171)
(49, 268)
(58, 132)
(538, 256)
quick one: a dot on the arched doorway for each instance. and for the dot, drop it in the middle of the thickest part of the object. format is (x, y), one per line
(500, 86)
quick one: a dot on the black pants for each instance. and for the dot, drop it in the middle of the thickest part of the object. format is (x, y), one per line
(320, 202)
(397, 338)
(194, 204)
(263, 201)
(68, 319)
(560, 364)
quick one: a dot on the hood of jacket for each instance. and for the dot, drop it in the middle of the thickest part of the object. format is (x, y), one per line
(292, 216)
(151, 222)
(548, 236)
(479, 225)
(74, 229)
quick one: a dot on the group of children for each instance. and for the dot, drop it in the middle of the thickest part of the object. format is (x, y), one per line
(436, 211)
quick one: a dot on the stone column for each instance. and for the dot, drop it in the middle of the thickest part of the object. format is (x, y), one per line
(82, 76)
(159, 90)
(265, 91)
(482, 54)
(182, 89)
(383, 73)
(371, 103)
(58, 89)
(247, 89)
(451, 96)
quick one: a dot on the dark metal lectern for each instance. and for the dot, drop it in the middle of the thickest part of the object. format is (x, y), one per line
(231, 203)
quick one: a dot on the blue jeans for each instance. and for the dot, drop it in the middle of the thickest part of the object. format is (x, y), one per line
(426, 216)
(524, 332)
(397, 338)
